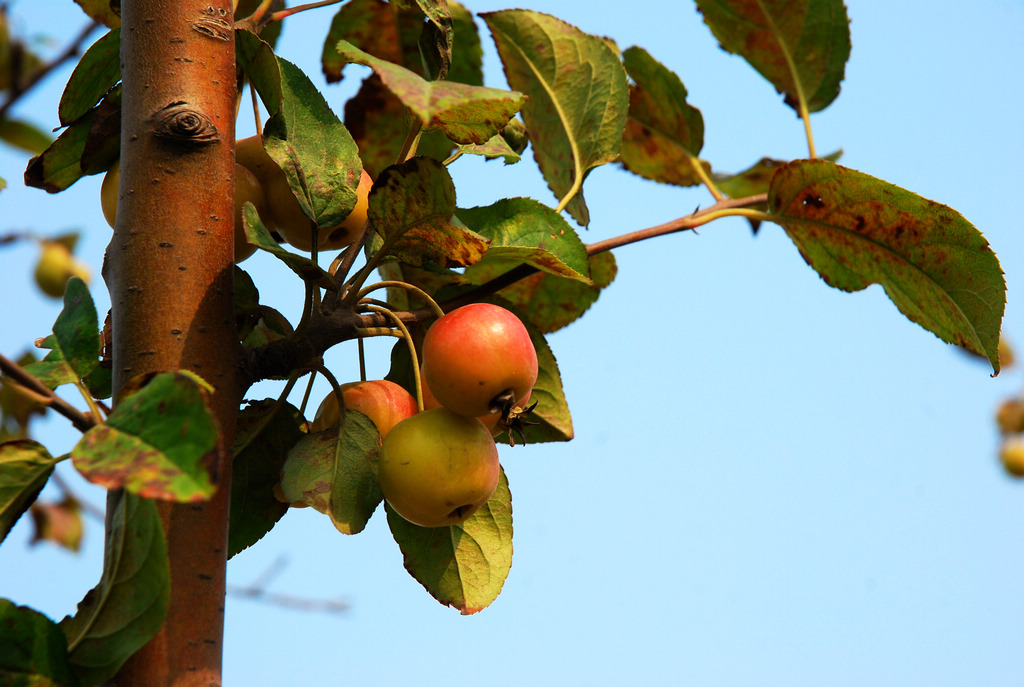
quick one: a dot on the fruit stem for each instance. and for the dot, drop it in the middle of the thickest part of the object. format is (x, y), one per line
(412, 350)
(431, 303)
(362, 360)
(335, 389)
(309, 388)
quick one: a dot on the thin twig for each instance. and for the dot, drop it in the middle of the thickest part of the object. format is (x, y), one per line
(72, 51)
(258, 591)
(17, 374)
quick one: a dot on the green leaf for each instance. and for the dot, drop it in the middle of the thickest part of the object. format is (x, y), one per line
(577, 97)
(25, 466)
(466, 114)
(856, 230)
(59, 166)
(303, 136)
(261, 447)
(160, 442)
(664, 134)
(75, 341)
(549, 302)
(33, 650)
(554, 423)
(412, 208)
(94, 75)
(258, 235)
(524, 230)
(465, 565)
(125, 610)
(335, 472)
(799, 46)
(23, 135)
(101, 11)
(494, 147)
(90, 145)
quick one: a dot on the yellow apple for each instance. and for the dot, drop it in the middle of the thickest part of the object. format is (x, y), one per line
(437, 468)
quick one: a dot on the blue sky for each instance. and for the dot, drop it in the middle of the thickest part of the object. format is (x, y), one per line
(772, 482)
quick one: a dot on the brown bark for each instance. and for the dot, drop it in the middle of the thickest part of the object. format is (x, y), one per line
(169, 272)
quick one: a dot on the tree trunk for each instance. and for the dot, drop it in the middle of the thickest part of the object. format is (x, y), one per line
(169, 272)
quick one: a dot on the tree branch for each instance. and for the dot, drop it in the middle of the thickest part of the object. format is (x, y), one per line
(327, 328)
(73, 50)
(45, 395)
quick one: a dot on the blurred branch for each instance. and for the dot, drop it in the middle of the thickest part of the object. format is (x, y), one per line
(26, 383)
(21, 87)
(258, 592)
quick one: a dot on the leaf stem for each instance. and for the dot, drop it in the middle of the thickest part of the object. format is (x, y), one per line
(698, 169)
(412, 141)
(805, 115)
(94, 409)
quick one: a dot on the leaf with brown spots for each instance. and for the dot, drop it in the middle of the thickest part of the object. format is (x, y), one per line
(856, 230)
(578, 97)
(800, 46)
(412, 209)
(664, 134)
(466, 114)
(463, 566)
(160, 442)
(335, 472)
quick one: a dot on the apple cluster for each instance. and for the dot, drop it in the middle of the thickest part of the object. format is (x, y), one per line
(260, 181)
(439, 466)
